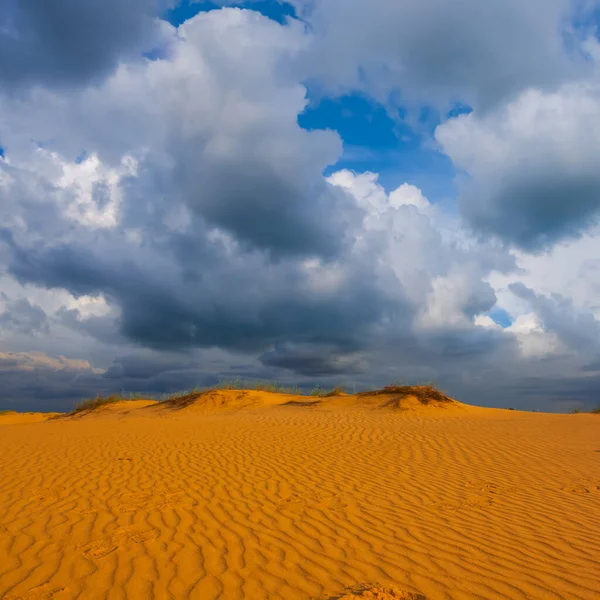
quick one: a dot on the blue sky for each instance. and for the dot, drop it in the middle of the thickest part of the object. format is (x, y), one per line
(278, 11)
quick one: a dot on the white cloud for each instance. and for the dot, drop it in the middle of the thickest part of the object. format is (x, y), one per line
(532, 165)
(424, 248)
(409, 195)
(30, 361)
(90, 192)
(533, 340)
(440, 52)
(571, 267)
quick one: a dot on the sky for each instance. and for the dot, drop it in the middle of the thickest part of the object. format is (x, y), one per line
(314, 192)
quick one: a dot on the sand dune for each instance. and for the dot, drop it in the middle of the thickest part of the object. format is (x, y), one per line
(256, 495)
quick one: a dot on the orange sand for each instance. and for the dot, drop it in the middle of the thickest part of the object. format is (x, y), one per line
(255, 495)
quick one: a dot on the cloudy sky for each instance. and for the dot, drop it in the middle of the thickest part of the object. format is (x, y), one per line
(314, 192)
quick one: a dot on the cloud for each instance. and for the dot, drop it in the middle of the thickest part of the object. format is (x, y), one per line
(144, 366)
(531, 165)
(30, 361)
(577, 329)
(22, 317)
(316, 360)
(218, 230)
(440, 52)
(216, 134)
(36, 381)
(73, 42)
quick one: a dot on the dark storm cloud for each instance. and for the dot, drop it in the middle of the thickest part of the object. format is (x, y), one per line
(534, 213)
(592, 367)
(103, 328)
(314, 360)
(264, 208)
(554, 392)
(22, 317)
(146, 367)
(38, 382)
(71, 41)
(228, 306)
(35, 381)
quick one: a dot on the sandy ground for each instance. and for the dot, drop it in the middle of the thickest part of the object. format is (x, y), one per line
(245, 495)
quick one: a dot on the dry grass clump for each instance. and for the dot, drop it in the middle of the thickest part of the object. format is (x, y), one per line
(97, 402)
(238, 384)
(425, 394)
(182, 399)
(578, 411)
(7, 412)
(336, 391)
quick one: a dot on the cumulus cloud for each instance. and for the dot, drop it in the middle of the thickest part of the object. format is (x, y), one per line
(439, 52)
(532, 165)
(577, 329)
(228, 195)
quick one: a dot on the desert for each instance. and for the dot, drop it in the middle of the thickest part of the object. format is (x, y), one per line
(249, 494)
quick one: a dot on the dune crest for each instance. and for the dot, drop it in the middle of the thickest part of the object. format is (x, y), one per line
(392, 397)
(123, 407)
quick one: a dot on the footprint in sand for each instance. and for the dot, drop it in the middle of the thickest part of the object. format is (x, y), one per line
(102, 547)
(576, 489)
(331, 503)
(98, 548)
(297, 504)
(156, 500)
(581, 486)
(471, 500)
(478, 501)
(292, 504)
(368, 592)
(487, 487)
(136, 536)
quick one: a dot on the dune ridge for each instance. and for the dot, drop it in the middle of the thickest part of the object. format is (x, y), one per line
(244, 494)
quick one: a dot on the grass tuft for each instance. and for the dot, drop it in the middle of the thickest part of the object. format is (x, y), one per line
(237, 383)
(425, 394)
(97, 402)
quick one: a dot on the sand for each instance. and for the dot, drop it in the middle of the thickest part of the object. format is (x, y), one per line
(256, 495)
